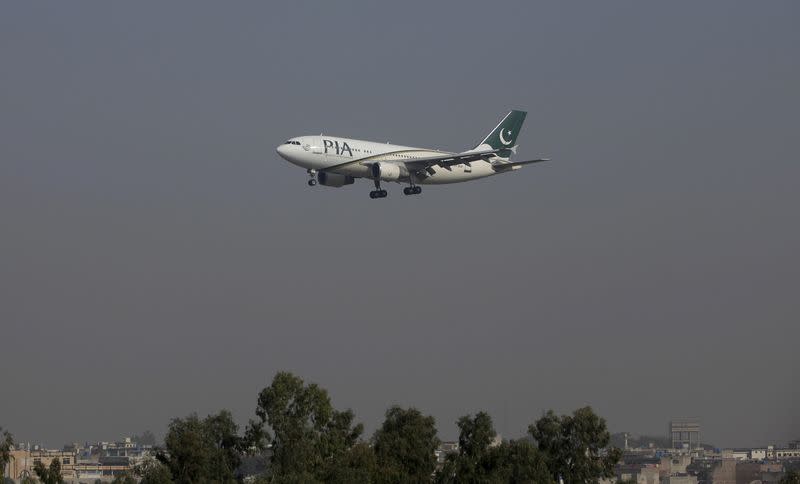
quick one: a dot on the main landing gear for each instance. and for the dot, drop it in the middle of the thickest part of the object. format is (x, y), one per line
(312, 177)
(412, 190)
(378, 192)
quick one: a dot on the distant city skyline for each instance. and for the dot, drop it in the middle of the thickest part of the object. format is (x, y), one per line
(631, 433)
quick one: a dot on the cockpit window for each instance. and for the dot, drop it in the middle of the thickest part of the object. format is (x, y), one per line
(290, 142)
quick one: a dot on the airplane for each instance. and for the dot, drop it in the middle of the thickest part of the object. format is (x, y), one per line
(336, 162)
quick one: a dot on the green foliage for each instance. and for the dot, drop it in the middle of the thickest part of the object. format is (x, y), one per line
(404, 446)
(49, 475)
(474, 440)
(154, 472)
(310, 436)
(475, 435)
(296, 478)
(572, 446)
(203, 450)
(123, 478)
(6, 443)
(791, 477)
(358, 465)
(28, 480)
(519, 462)
(478, 461)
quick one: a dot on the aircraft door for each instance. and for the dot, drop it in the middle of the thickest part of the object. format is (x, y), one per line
(316, 146)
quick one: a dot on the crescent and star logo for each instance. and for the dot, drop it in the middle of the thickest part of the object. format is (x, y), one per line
(502, 139)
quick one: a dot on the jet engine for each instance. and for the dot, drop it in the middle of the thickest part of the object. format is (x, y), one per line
(387, 171)
(334, 179)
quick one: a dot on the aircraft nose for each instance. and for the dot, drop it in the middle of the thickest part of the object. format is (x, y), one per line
(282, 150)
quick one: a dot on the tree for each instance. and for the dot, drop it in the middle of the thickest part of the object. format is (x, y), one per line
(474, 440)
(478, 461)
(49, 475)
(356, 466)
(791, 477)
(203, 450)
(123, 478)
(309, 435)
(6, 444)
(404, 446)
(152, 471)
(573, 446)
(518, 461)
(475, 435)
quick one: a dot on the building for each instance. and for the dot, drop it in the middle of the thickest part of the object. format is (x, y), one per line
(679, 479)
(674, 464)
(642, 474)
(104, 472)
(103, 461)
(684, 433)
(125, 453)
(771, 473)
(724, 472)
(737, 454)
(444, 449)
(22, 462)
(787, 453)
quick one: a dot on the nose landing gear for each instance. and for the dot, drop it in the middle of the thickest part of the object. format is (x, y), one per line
(312, 177)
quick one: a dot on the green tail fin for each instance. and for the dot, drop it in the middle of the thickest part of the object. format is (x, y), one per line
(504, 135)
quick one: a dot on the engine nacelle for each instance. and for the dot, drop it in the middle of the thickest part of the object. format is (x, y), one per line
(334, 179)
(387, 171)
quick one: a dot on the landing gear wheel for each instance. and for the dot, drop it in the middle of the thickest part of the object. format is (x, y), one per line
(383, 193)
(372, 194)
(416, 190)
(407, 191)
(312, 182)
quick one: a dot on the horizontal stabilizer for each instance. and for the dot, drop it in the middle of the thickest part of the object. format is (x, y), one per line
(504, 166)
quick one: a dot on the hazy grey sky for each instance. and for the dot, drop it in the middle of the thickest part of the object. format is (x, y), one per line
(158, 258)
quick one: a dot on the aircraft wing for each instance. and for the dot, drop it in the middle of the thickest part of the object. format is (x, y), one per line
(449, 160)
(419, 164)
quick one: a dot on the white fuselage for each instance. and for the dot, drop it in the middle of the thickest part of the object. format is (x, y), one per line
(323, 151)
